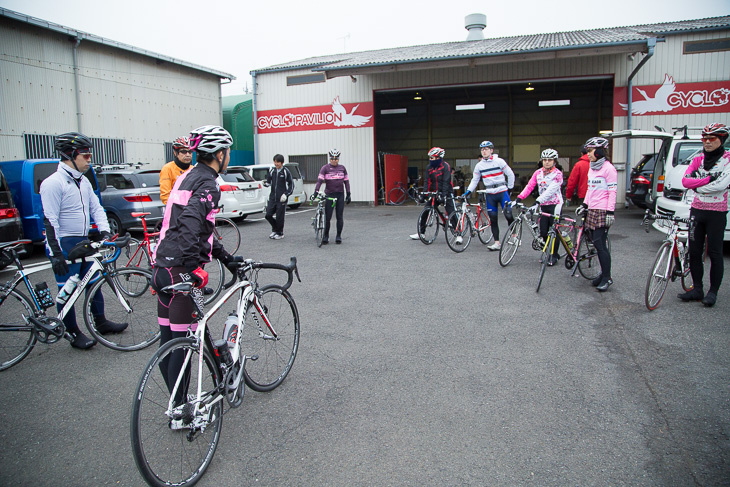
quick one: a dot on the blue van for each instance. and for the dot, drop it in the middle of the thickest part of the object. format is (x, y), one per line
(24, 178)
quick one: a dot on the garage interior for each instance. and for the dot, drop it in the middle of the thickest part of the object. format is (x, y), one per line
(521, 122)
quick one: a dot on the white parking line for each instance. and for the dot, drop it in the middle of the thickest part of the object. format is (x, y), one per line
(290, 212)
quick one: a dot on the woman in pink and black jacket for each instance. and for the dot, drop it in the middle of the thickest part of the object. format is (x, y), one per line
(599, 205)
(549, 180)
(709, 176)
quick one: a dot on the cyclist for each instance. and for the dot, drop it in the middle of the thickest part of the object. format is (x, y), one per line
(186, 242)
(336, 185)
(578, 179)
(498, 179)
(282, 186)
(708, 175)
(183, 157)
(438, 179)
(69, 203)
(548, 180)
(599, 205)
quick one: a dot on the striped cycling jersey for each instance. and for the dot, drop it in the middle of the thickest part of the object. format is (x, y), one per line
(495, 174)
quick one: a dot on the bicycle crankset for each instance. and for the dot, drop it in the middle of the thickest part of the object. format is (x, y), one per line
(47, 329)
(569, 262)
(537, 244)
(234, 385)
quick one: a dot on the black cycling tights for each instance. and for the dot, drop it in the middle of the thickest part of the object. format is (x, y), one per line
(599, 237)
(711, 225)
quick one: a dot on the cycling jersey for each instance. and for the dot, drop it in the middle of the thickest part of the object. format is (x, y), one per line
(439, 179)
(548, 185)
(494, 173)
(602, 187)
(708, 195)
(168, 175)
(335, 179)
(186, 238)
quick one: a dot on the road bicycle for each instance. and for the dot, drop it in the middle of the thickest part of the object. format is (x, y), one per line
(225, 231)
(399, 194)
(319, 218)
(671, 262)
(174, 434)
(513, 238)
(25, 322)
(432, 217)
(465, 226)
(139, 254)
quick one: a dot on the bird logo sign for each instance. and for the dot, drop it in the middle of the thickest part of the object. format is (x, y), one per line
(343, 119)
(673, 98)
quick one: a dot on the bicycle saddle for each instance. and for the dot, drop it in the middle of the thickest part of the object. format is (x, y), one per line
(81, 250)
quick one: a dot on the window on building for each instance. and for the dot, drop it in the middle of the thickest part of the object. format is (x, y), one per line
(305, 79)
(310, 166)
(707, 45)
(106, 151)
(169, 155)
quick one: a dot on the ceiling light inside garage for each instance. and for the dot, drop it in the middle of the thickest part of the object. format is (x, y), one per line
(553, 103)
(418, 96)
(393, 111)
(475, 106)
(529, 87)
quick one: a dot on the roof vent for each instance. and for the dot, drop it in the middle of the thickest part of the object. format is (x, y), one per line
(475, 24)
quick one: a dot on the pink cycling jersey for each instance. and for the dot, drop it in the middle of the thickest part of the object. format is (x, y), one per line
(548, 185)
(706, 194)
(602, 187)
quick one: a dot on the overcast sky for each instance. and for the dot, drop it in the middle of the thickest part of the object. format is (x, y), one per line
(238, 36)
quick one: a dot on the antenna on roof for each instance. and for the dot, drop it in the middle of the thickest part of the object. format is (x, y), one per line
(475, 24)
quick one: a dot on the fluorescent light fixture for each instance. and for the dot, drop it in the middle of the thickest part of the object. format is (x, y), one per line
(553, 103)
(418, 96)
(475, 106)
(529, 87)
(392, 111)
(604, 132)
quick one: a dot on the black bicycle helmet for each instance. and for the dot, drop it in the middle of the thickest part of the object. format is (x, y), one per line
(69, 144)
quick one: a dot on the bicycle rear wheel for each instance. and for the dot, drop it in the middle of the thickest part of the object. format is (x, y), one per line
(588, 264)
(397, 196)
(227, 233)
(216, 278)
(459, 226)
(430, 223)
(546, 255)
(484, 228)
(180, 456)
(658, 279)
(687, 282)
(136, 293)
(16, 334)
(510, 242)
(269, 358)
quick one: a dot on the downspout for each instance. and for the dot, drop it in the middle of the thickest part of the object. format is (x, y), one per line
(651, 44)
(76, 82)
(255, 122)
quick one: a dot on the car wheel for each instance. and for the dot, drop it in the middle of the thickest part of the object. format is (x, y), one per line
(115, 225)
(294, 207)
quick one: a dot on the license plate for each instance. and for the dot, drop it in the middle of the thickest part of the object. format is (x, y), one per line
(250, 195)
(296, 199)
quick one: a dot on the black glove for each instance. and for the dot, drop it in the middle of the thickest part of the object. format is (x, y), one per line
(518, 200)
(106, 235)
(60, 267)
(714, 176)
(694, 174)
(314, 196)
(231, 262)
(348, 198)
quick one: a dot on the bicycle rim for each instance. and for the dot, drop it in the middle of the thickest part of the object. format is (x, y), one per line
(510, 243)
(165, 456)
(484, 228)
(269, 359)
(135, 254)
(397, 196)
(216, 279)
(458, 225)
(431, 229)
(142, 329)
(658, 279)
(319, 228)
(16, 335)
(545, 258)
(226, 231)
(588, 264)
(687, 282)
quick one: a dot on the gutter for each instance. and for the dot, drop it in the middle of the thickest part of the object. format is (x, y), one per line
(77, 90)
(255, 118)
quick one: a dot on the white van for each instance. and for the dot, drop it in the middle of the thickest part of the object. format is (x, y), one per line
(298, 196)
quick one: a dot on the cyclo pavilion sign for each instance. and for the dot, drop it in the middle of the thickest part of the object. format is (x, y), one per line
(336, 116)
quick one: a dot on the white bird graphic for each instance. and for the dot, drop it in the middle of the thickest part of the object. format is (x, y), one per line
(343, 118)
(659, 103)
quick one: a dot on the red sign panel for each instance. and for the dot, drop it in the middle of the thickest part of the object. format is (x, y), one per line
(674, 99)
(336, 116)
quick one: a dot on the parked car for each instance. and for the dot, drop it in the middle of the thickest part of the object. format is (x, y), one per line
(298, 196)
(11, 228)
(241, 195)
(125, 190)
(24, 178)
(641, 176)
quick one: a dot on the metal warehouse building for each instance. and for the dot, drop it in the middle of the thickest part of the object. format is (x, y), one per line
(132, 102)
(384, 109)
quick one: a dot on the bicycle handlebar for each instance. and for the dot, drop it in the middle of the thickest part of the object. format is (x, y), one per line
(249, 265)
(675, 219)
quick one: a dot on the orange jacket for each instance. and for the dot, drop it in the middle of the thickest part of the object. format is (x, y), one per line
(168, 175)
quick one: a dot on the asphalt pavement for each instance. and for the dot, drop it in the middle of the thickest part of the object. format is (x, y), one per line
(420, 366)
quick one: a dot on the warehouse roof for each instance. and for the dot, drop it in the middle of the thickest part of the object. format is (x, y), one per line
(85, 36)
(527, 47)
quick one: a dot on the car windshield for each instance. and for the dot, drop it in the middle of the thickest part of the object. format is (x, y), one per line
(259, 174)
(686, 152)
(237, 176)
(294, 171)
(646, 163)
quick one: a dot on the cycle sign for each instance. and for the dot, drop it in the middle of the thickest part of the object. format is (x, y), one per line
(672, 98)
(335, 116)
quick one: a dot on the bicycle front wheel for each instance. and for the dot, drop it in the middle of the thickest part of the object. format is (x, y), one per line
(687, 282)
(176, 454)
(658, 279)
(510, 242)
(397, 196)
(458, 231)
(484, 228)
(319, 227)
(132, 303)
(546, 255)
(227, 233)
(135, 254)
(428, 220)
(588, 264)
(16, 334)
(270, 350)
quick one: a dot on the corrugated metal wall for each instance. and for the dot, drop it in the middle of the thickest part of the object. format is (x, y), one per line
(123, 95)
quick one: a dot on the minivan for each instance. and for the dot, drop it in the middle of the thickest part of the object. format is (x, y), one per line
(298, 196)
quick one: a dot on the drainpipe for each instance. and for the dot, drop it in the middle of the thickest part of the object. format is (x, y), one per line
(651, 44)
(255, 124)
(76, 82)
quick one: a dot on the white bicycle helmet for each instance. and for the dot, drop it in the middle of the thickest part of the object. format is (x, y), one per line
(487, 144)
(716, 129)
(436, 152)
(210, 139)
(549, 154)
(334, 153)
(596, 143)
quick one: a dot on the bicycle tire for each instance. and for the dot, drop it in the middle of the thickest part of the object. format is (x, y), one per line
(484, 228)
(462, 228)
(661, 271)
(216, 278)
(142, 330)
(511, 242)
(686, 277)
(432, 225)
(397, 196)
(269, 360)
(588, 264)
(228, 234)
(165, 456)
(135, 254)
(319, 227)
(16, 334)
(546, 254)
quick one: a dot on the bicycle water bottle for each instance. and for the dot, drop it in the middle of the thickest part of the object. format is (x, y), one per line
(231, 329)
(567, 239)
(68, 289)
